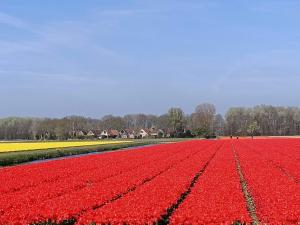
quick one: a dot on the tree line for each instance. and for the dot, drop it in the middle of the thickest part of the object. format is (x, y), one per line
(203, 122)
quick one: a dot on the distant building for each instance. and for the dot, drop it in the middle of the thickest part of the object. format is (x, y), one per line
(110, 134)
(160, 133)
(130, 133)
(144, 133)
(127, 133)
(153, 132)
(104, 134)
(167, 133)
(80, 133)
(124, 134)
(94, 134)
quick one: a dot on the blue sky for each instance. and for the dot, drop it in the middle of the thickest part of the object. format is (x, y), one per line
(97, 57)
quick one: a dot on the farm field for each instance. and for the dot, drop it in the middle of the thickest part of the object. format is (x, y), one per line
(193, 182)
(29, 146)
(17, 155)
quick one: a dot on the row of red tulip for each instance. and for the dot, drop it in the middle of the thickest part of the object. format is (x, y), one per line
(217, 197)
(149, 202)
(74, 181)
(163, 182)
(276, 196)
(16, 178)
(283, 155)
(61, 199)
(51, 188)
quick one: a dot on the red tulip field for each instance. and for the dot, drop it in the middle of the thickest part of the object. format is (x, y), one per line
(234, 181)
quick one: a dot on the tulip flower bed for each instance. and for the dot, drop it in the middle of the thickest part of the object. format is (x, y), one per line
(217, 197)
(284, 155)
(193, 182)
(276, 195)
(140, 205)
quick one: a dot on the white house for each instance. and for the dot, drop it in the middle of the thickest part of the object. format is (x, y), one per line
(124, 134)
(104, 134)
(144, 133)
(109, 134)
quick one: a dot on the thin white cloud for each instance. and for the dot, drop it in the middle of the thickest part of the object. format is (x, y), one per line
(160, 7)
(68, 77)
(12, 47)
(41, 75)
(10, 20)
(123, 12)
(62, 36)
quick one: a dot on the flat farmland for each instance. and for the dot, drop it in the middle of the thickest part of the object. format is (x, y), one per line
(194, 182)
(14, 153)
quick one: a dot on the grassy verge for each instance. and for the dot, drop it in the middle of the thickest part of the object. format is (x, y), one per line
(14, 158)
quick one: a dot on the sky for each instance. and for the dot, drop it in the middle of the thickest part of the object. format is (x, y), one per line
(98, 57)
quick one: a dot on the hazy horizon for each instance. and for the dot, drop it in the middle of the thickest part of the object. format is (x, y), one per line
(92, 58)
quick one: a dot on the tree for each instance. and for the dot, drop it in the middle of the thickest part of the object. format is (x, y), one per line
(219, 125)
(257, 120)
(238, 120)
(252, 128)
(176, 119)
(203, 119)
(113, 122)
(163, 121)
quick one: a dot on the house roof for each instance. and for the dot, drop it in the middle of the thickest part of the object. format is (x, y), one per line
(113, 132)
(146, 130)
(153, 129)
(96, 132)
(129, 131)
(81, 131)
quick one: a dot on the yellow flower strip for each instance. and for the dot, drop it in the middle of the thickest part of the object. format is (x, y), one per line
(27, 146)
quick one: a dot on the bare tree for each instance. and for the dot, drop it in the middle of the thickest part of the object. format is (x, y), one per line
(203, 119)
(176, 119)
(113, 122)
(258, 120)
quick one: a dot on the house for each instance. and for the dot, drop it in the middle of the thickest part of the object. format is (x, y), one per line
(109, 134)
(94, 134)
(113, 134)
(153, 132)
(156, 133)
(80, 134)
(90, 134)
(127, 133)
(130, 133)
(167, 133)
(104, 134)
(124, 134)
(144, 133)
(97, 133)
(160, 133)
